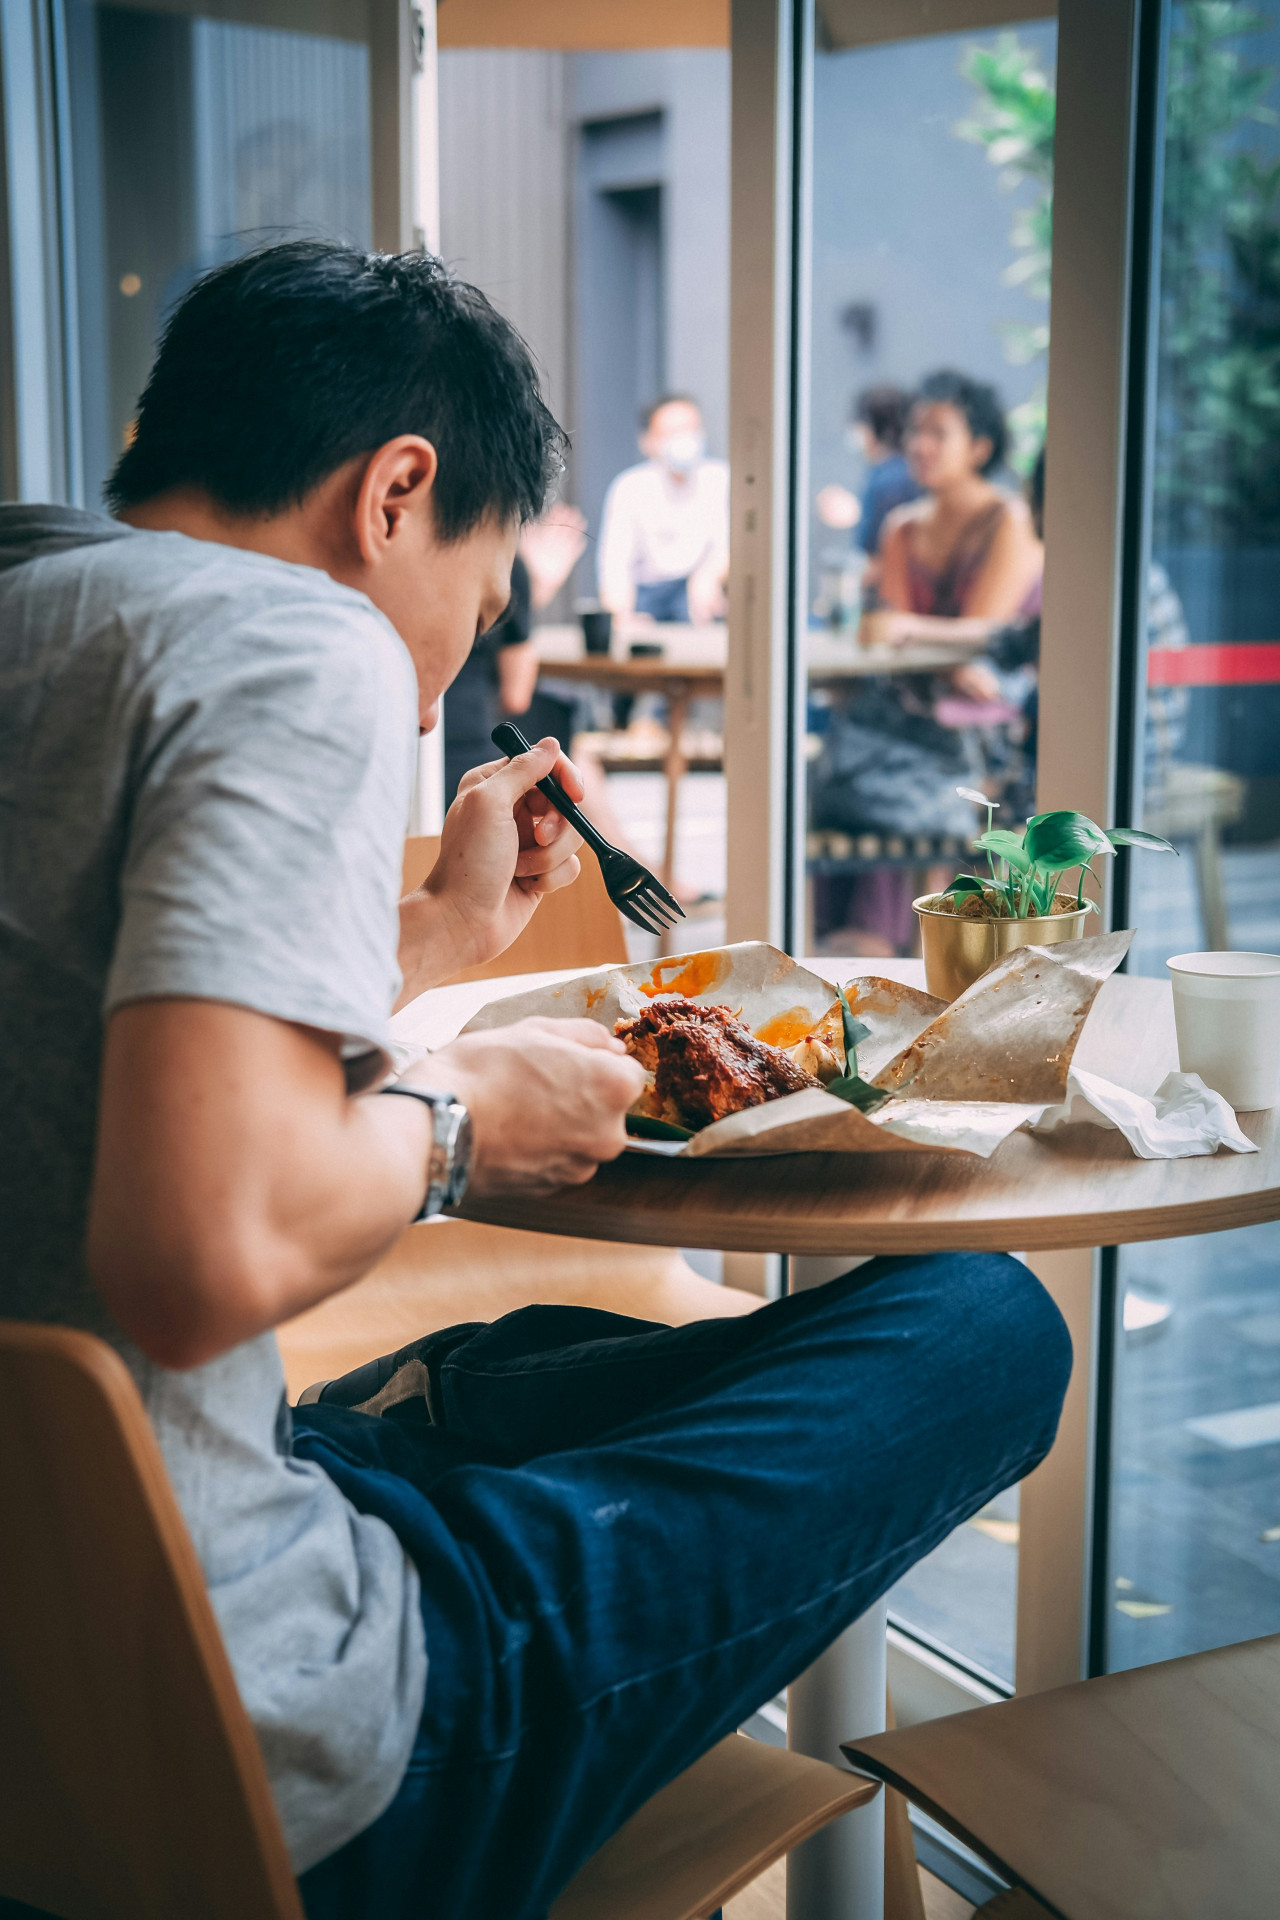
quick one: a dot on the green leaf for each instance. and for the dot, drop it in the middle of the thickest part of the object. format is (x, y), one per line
(1134, 837)
(1006, 845)
(851, 1086)
(855, 1031)
(1064, 839)
(965, 883)
(647, 1129)
(858, 1092)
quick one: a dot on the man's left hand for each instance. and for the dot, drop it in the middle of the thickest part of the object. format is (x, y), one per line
(503, 846)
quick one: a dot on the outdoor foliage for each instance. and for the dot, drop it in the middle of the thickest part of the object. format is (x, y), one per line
(1217, 472)
(1014, 121)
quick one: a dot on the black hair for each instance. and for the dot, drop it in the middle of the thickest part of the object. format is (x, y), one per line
(883, 410)
(664, 400)
(980, 405)
(276, 369)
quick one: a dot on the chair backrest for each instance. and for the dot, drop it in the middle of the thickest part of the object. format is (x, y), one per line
(131, 1783)
(577, 926)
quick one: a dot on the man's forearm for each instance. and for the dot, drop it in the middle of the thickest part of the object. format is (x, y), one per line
(236, 1184)
(434, 945)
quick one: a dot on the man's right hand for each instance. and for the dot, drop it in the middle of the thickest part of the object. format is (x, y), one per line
(547, 1100)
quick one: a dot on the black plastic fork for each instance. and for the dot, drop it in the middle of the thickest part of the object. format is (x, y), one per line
(633, 890)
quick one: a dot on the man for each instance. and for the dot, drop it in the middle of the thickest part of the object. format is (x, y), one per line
(664, 538)
(878, 427)
(486, 1596)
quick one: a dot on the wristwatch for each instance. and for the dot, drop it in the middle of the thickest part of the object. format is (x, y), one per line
(452, 1141)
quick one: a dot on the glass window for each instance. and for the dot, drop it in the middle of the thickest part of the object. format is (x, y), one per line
(932, 182)
(1195, 1514)
(192, 140)
(587, 193)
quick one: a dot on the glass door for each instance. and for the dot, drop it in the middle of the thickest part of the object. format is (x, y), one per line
(191, 139)
(1193, 1540)
(924, 342)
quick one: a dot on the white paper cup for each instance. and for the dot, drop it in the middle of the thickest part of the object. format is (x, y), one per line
(1227, 1009)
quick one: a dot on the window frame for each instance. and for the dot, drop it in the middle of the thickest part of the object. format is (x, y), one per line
(1089, 646)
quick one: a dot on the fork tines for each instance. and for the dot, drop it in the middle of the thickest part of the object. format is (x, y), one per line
(646, 902)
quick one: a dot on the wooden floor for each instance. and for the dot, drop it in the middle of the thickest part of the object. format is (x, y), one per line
(766, 1899)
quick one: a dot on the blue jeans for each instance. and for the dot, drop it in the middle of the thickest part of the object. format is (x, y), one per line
(631, 1536)
(664, 599)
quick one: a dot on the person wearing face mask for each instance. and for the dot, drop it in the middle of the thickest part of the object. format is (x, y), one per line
(664, 540)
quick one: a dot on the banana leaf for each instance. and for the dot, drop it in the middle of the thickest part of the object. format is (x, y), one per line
(851, 1087)
(647, 1129)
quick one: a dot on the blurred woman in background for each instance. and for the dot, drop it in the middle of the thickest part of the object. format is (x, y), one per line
(965, 558)
(956, 565)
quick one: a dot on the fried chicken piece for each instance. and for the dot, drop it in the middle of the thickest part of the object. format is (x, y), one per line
(705, 1062)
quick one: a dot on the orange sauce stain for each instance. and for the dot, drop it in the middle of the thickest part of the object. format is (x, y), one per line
(786, 1029)
(690, 973)
(594, 996)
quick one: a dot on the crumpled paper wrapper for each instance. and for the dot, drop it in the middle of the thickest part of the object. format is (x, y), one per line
(961, 1077)
(1182, 1119)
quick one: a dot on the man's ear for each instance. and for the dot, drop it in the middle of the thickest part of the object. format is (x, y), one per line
(395, 492)
(983, 448)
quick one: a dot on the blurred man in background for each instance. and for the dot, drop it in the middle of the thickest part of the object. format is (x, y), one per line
(499, 678)
(664, 540)
(877, 428)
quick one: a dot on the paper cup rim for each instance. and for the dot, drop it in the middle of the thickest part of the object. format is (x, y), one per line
(1187, 963)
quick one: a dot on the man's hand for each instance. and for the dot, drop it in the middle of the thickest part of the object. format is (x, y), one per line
(706, 595)
(547, 1100)
(503, 846)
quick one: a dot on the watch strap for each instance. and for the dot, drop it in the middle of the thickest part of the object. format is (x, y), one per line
(446, 1109)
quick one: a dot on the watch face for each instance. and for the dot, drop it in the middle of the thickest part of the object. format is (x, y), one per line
(463, 1144)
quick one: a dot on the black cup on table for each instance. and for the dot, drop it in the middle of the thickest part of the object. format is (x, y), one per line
(597, 628)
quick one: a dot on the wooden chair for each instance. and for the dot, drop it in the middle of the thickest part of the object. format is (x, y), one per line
(131, 1784)
(1150, 1795)
(447, 1271)
(578, 926)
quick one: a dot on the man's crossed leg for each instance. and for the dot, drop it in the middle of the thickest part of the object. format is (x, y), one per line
(629, 1537)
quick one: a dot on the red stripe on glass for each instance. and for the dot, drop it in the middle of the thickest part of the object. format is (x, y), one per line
(1236, 663)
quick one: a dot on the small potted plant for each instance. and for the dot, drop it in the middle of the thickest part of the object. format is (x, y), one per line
(1022, 901)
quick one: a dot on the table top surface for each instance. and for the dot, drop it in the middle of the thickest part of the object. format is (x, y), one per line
(1082, 1188)
(700, 655)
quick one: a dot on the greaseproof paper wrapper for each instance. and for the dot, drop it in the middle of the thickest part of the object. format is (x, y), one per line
(961, 1078)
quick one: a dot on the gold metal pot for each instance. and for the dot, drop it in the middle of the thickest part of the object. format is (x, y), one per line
(957, 950)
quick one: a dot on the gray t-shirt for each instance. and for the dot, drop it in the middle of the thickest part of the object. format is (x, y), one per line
(206, 760)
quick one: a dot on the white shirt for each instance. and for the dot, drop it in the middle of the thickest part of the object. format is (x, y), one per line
(658, 528)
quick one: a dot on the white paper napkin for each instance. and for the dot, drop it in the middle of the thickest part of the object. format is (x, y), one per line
(1183, 1118)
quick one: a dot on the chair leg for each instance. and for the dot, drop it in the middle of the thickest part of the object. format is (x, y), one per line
(903, 1899)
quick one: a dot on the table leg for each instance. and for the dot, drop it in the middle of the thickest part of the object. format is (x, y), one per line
(839, 1874)
(677, 718)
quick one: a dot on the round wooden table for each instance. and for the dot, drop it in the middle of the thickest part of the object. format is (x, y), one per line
(1082, 1188)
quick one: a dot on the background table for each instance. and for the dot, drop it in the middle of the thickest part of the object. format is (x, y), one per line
(1082, 1189)
(694, 661)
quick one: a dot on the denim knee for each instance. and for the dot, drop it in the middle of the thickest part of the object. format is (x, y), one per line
(1009, 1315)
